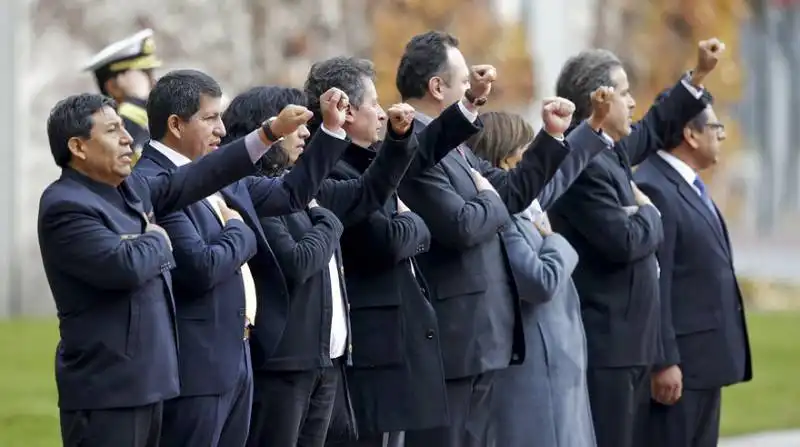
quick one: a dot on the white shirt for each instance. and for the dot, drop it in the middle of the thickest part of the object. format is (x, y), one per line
(685, 171)
(338, 314)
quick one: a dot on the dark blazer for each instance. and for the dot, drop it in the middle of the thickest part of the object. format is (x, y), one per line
(397, 379)
(303, 243)
(466, 268)
(111, 283)
(703, 327)
(445, 132)
(209, 291)
(617, 277)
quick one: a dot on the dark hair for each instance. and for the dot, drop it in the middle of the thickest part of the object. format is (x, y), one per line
(72, 117)
(248, 110)
(502, 134)
(581, 75)
(178, 93)
(698, 122)
(344, 73)
(425, 56)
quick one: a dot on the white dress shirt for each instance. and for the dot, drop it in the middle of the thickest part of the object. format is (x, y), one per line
(685, 171)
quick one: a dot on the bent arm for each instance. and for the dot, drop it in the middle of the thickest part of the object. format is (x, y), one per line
(519, 186)
(172, 191)
(301, 259)
(88, 250)
(539, 275)
(584, 144)
(592, 207)
(662, 120)
(353, 200)
(292, 191)
(202, 265)
(454, 222)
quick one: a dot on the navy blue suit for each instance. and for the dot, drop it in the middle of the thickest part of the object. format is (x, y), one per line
(703, 328)
(117, 357)
(214, 406)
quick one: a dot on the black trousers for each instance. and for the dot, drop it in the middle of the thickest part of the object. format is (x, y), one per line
(469, 402)
(119, 427)
(620, 399)
(693, 421)
(293, 408)
(214, 420)
(394, 439)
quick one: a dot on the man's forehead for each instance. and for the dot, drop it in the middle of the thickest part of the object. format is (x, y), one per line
(106, 115)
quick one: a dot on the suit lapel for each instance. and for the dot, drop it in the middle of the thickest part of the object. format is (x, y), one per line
(233, 200)
(691, 196)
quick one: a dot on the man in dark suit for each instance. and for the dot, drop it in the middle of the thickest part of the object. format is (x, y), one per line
(215, 241)
(617, 277)
(466, 268)
(307, 247)
(108, 264)
(703, 344)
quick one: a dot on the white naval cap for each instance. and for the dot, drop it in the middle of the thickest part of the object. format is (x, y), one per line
(136, 52)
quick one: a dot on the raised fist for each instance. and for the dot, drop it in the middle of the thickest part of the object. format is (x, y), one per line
(291, 117)
(401, 117)
(708, 54)
(334, 104)
(557, 115)
(480, 79)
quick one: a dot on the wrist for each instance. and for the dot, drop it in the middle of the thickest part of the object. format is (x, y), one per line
(270, 133)
(696, 77)
(469, 105)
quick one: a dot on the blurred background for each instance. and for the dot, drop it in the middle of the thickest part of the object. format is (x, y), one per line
(242, 43)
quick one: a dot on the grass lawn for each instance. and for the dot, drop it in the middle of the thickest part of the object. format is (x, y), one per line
(29, 418)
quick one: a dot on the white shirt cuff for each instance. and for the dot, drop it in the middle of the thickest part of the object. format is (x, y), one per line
(340, 135)
(696, 92)
(470, 116)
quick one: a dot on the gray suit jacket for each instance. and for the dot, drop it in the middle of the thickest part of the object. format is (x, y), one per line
(544, 402)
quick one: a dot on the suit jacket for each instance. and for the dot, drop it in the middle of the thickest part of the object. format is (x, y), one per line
(466, 267)
(111, 283)
(290, 337)
(397, 379)
(209, 291)
(617, 278)
(703, 327)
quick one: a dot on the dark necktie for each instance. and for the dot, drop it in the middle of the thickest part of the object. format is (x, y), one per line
(622, 158)
(701, 187)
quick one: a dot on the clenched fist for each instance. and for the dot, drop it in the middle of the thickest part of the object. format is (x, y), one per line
(481, 78)
(401, 117)
(290, 118)
(557, 115)
(334, 104)
(708, 54)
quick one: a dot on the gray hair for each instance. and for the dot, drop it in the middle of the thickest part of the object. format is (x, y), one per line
(581, 75)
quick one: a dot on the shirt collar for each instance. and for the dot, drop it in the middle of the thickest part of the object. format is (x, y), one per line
(172, 155)
(679, 165)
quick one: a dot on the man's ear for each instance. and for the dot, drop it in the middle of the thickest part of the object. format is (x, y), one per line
(435, 85)
(77, 147)
(690, 137)
(349, 118)
(175, 126)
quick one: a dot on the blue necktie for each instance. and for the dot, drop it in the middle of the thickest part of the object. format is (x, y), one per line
(698, 183)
